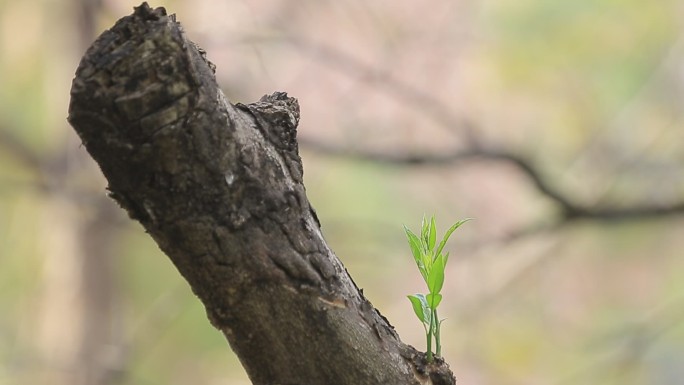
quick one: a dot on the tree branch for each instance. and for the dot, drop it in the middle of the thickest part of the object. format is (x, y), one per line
(569, 210)
(219, 188)
(432, 107)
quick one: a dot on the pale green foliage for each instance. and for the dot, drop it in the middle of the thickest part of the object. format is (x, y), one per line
(431, 264)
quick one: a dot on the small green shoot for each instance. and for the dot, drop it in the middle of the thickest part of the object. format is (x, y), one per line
(431, 264)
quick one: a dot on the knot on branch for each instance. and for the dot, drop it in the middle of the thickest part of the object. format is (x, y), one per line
(145, 12)
(276, 116)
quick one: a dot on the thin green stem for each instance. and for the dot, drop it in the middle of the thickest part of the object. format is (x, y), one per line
(429, 340)
(438, 343)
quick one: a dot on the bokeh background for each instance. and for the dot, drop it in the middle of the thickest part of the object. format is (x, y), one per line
(557, 125)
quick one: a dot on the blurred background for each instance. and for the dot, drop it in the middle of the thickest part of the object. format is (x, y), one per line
(557, 125)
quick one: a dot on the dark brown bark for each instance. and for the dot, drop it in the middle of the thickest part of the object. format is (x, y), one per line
(219, 188)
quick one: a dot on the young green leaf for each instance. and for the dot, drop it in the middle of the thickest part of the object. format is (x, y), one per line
(448, 234)
(436, 278)
(417, 302)
(433, 300)
(432, 234)
(446, 258)
(425, 232)
(427, 263)
(421, 308)
(414, 243)
(441, 261)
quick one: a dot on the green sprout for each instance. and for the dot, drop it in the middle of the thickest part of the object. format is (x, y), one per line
(431, 263)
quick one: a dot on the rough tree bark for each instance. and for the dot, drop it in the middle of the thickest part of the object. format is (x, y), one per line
(219, 188)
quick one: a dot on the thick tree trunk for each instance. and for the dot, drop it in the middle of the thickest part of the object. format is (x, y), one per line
(219, 188)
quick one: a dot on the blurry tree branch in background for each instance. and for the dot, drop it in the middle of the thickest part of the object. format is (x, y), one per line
(379, 79)
(474, 149)
(569, 210)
